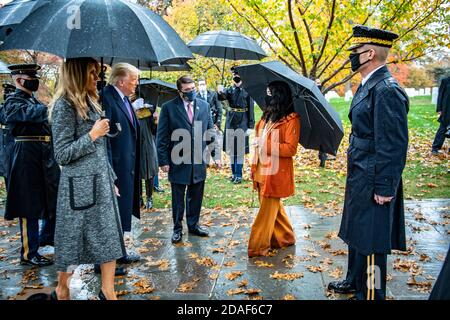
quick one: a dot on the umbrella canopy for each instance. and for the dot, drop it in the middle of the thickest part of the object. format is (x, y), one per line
(157, 92)
(4, 68)
(172, 67)
(228, 45)
(15, 12)
(321, 126)
(107, 29)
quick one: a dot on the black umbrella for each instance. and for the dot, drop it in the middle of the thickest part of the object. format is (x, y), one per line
(157, 92)
(15, 12)
(321, 126)
(4, 68)
(228, 45)
(107, 29)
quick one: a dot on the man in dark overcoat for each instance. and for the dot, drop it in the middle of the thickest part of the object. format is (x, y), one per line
(33, 174)
(443, 109)
(373, 220)
(185, 129)
(124, 149)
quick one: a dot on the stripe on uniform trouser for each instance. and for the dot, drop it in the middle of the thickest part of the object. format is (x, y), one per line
(371, 277)
(25, 239)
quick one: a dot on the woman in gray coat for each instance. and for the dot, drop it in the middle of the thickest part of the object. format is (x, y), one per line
(88, 229)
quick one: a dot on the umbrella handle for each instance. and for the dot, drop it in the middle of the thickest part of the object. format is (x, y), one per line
(223, 67)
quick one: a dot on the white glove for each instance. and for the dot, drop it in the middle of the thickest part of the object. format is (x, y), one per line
(249, 132)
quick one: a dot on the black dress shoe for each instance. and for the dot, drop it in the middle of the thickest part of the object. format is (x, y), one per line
(341, 287)
(101, 295)
(38, 261)
(46, 243)
(237, 180)
(120, 271)
(129, 258)
(176, 237)
(158, 189)
(149, 204)
(232, 178)
(199, 232)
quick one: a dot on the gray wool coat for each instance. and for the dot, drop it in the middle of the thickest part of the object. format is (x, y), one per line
(88, 228)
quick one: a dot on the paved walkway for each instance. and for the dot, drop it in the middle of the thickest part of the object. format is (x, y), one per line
(218, 268)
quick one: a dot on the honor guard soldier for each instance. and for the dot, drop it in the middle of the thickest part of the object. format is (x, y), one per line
(373, 221)
(33, 175)
(240, 120)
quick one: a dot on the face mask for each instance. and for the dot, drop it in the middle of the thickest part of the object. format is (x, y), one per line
(354, 60)
(32, 85)
(267, 100)
(237, 79)
(189, 96)
(202, 88)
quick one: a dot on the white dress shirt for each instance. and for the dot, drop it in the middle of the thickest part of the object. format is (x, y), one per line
(366, 78)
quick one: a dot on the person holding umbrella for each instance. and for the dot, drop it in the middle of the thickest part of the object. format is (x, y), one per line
(88, 227)
(240, 120)
(373, 221)
(277, 136)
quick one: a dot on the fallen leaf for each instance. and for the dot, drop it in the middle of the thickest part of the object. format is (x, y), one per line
(264, 264)
(233, 275)
(188, 286)
(289, 297)
(286, 276)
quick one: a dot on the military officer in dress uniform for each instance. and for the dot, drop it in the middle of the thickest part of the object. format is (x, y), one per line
(33, 175)
(240, 120)
(373, 220)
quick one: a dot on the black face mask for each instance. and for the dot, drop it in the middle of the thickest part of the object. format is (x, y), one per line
(32, 85)
(354, 60)
(236, 79)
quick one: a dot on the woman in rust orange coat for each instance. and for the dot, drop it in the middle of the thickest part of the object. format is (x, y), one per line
(277, 136)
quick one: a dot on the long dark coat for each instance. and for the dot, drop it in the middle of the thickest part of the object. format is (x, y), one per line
(441, 289)
(33, 175)
(149, 159)
(238, 98)
(124, 155)
(6, 144)
(443, 102)
(376, 158)
(173, 117)
(215, 105)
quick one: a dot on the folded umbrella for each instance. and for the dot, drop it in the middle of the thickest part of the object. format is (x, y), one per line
(321, 126)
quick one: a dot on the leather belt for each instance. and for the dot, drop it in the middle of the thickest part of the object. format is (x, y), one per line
(238, 110)
(33, 139)
(367, 145)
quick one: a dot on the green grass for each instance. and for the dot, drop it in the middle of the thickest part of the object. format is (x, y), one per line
(424, 176)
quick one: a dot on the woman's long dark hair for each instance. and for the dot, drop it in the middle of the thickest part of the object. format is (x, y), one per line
(280, 103)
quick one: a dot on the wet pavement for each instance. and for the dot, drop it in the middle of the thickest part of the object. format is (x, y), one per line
(217, 267)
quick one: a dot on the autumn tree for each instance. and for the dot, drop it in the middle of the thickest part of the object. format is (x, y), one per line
(312, 36)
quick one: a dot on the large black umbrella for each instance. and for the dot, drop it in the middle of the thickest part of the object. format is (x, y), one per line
(107, 29)
(321, 126)
(157, 92)
(15, 12)
(228, 45)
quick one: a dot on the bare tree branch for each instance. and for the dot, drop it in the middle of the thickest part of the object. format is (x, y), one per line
(297, 40)
(325, 41)
(308, 31)
(334, 85)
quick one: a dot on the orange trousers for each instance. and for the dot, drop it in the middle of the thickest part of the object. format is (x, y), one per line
(271, 228)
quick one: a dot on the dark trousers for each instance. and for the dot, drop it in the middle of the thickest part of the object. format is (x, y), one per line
(237, 163)
(148, 187)
(47, 235)
(29, 234)
(440, 137)
(191, 200)
(367, 274)
(156, 181)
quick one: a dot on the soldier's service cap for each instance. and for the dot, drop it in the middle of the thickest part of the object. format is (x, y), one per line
(27, 69)
(365, 35)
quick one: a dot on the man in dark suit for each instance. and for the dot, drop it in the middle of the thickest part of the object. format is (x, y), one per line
(373, 221)
(185, 128)
(443, 109)
(214, 103)
(124, 149)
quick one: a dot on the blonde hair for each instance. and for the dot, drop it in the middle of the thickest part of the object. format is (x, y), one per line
(120, 71)
(73, 78)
